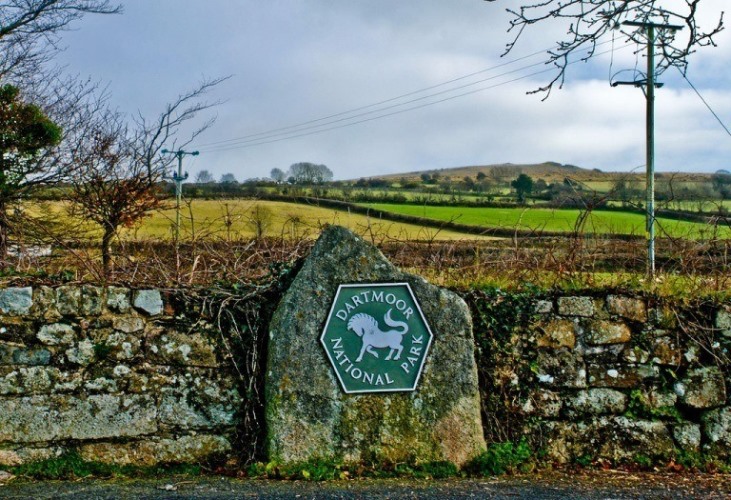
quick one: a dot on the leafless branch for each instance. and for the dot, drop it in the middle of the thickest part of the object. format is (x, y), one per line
(590, 20)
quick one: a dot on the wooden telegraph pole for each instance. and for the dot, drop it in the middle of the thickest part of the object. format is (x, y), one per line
(648, 85)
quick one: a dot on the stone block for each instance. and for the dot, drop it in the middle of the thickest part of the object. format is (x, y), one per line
(621, 376)
(561, 369)
(603, 332)
(16, 329)
(26, 380)
(92, 300)
(21, 455)
(576, 306)
(655, 398)
(40, 419)
(148, 301)
(16, 301)
(543, 307)
(56, 334)
(546, 404)
(630, 308)
(595, 402)
(600, 354)
(635, 355)
(702, 388)
(184, 449)
(68, 300)
(118, 299)
(612, 438)
(717, 427)
(82, 353)
(101, 385)
(665, 352)
(556, 334)
(129, 324)
(723, 320)
(208, 406)
(688, 436)
(308, 414)
(629, 438)
(19, 354)
(44, 303)
(180, 349)
(115, 345)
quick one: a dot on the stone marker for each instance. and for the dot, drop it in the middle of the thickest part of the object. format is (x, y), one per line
(367, 363)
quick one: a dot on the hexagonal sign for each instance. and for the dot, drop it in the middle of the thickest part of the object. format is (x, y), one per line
(376, 337)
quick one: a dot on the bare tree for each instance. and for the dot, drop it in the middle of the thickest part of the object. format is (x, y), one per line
(118, 171)
(151, 136)
(310, 173)
(278, 175)
(260, 219)
(29, 31)
(111, 188)
(204, 177)
(590, 20)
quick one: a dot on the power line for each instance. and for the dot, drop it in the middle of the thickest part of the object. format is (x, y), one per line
(303, 134)
(309, 124)
(273, 138)
(297, 129)
(718, 118)
(386, 101)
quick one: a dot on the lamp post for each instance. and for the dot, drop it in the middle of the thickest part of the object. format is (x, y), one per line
(178, 178)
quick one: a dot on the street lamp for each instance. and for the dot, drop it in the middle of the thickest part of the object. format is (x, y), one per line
(178, 178)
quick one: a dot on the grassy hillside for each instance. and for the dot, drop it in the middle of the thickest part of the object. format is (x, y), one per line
(553, 172)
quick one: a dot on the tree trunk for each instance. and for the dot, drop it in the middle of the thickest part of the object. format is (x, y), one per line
(107, 251)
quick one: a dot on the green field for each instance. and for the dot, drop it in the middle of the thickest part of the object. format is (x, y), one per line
(238, 218)
(542, 219)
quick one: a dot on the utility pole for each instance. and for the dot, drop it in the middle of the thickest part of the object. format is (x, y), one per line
(649, 85)
(178, 178)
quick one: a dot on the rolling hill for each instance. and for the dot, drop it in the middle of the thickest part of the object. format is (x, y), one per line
(548, 171)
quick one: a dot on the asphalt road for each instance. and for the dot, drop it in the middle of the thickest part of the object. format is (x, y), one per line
(592, 485)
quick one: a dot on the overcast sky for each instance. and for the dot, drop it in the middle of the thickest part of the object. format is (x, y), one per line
(294, 61)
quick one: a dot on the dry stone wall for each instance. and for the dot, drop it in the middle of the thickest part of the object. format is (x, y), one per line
(133, 377)
(115, 374)
(614, 377)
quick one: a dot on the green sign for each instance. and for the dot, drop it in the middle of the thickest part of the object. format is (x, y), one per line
(376, 337)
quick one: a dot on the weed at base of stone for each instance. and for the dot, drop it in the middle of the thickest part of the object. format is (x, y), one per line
(312, 470)
(500, 458)
(71, 466)
(325, 470)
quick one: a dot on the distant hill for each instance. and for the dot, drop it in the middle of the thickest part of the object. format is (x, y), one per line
(549, 171)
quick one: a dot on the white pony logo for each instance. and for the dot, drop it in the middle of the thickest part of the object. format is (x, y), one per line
(366, 327)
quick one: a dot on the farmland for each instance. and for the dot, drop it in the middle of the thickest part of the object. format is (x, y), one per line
(238, 219)
(561, 220)
(432, 226)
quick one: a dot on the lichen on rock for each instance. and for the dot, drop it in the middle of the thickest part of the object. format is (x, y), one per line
(307, 413)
